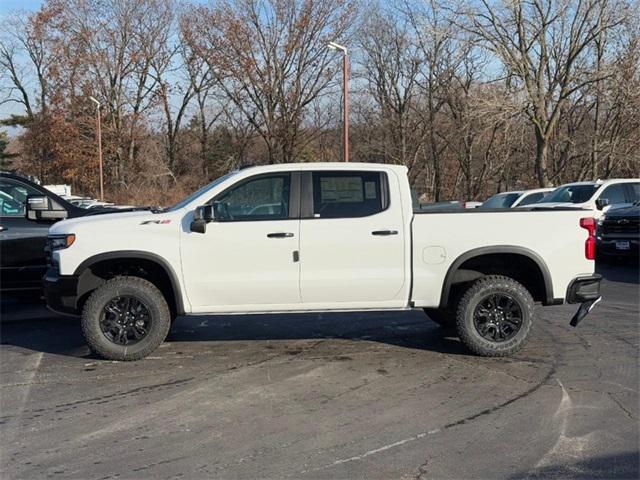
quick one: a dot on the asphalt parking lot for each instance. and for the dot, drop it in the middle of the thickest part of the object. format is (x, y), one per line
(384, 395)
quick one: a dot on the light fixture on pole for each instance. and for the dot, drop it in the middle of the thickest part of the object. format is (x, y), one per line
(345, 95)
(99, 135)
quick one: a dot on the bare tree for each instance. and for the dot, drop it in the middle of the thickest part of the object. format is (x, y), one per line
(120, 44)
(475, 117)
(542, 45)
(202, 83)
(391, 65)
(435, 36)
(270, 58)
(28, 58)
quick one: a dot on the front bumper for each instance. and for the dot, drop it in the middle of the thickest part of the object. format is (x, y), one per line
(585, 291)
(61, 292)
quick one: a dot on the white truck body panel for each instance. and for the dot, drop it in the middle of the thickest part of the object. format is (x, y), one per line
(553, 236)
(235, 268)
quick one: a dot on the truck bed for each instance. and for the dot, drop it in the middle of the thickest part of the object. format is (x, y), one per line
(442, 240)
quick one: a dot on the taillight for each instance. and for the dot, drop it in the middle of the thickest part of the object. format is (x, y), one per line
(589, 224)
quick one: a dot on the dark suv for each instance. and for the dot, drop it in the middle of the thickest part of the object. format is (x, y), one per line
(619, 232)
(27, 210)
(22, 240)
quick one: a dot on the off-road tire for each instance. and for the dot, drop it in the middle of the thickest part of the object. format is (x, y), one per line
(476, 292)
(153, 300)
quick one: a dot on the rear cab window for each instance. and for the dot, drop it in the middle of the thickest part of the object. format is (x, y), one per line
(346, 194)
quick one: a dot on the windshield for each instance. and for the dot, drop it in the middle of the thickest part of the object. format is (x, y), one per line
(501, 200)
(571, 194)
(184, 202)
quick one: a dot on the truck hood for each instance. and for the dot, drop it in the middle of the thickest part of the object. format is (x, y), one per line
(624, 212)
(112, 221)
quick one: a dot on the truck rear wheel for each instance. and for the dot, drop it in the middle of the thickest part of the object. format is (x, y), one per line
(126, 318)
(494, 316)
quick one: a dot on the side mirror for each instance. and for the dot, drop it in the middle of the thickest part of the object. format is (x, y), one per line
(601, 203)
(42, 207)
(201, 216)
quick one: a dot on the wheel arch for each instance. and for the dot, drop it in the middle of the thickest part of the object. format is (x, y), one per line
(459, 273)
(89, 280)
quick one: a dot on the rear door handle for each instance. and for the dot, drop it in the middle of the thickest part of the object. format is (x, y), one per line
(280, 235)
(382, 233)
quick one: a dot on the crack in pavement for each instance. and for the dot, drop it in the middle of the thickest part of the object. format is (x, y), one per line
(621, 406)
(488, 411)
(463, 421)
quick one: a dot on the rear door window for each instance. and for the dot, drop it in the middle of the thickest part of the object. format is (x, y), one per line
(348, 194)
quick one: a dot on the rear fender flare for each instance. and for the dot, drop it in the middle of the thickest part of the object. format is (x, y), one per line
(497, 249)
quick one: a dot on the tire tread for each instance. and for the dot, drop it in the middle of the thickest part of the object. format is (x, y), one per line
(486, 348)
(96, 340)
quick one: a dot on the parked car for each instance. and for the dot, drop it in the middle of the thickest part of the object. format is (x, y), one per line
(342, 237)
(618, 232)
(515, 199)
(22, 240)
(596, 195)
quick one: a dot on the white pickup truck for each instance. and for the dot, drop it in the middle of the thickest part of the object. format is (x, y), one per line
(317, 237)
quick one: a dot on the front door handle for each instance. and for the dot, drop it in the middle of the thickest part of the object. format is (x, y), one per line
(3, 229)
(382, 233)
(280, 235)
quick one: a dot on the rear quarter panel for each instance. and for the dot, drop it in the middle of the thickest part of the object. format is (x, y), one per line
(441, 238)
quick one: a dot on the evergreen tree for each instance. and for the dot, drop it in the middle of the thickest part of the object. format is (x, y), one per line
(5, 157)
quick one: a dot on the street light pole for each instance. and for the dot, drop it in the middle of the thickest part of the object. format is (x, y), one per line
(99, 135)
(345, 95)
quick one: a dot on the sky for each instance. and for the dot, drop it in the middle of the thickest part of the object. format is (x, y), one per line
(8, 5)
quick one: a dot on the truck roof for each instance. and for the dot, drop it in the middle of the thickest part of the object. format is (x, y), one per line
(329, 166)
(601, 182)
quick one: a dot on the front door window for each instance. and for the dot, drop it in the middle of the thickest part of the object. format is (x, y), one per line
(262, 198)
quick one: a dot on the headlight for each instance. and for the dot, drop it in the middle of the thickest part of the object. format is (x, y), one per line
(59, 242)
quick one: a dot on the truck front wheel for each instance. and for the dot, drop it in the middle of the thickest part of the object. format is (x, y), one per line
(126, 318)
(494, 316)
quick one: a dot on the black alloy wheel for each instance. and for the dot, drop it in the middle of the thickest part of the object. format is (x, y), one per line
(498, 317)
(125, 320)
